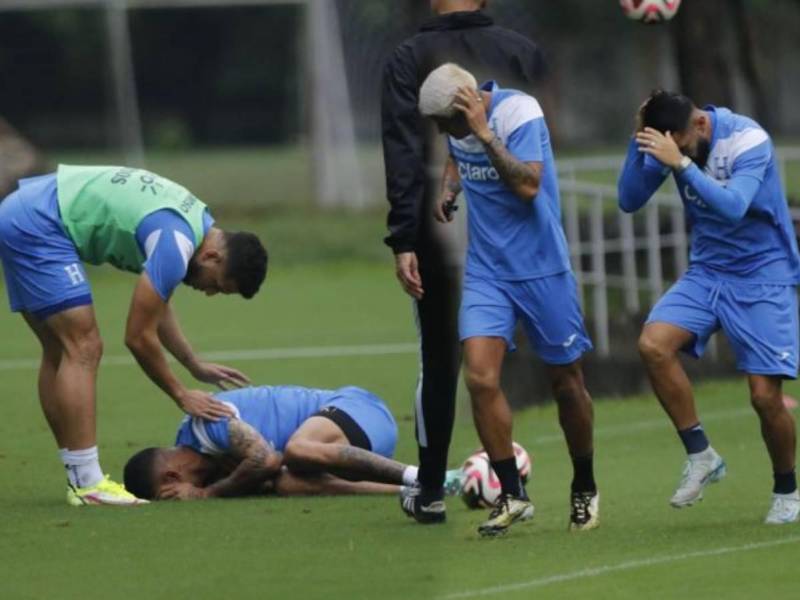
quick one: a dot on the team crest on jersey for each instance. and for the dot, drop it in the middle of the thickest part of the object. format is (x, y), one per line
(472, 172)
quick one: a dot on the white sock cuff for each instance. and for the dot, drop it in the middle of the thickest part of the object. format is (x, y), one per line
(410, 475)
(80, 457)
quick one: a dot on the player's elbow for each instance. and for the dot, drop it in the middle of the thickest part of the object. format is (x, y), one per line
(527, 191)
(136, 342)
(627, 203)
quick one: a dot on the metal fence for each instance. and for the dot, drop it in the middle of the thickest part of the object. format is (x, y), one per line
(624, 262)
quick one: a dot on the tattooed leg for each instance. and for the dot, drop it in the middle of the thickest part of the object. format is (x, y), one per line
(324, 484)
(343, 460)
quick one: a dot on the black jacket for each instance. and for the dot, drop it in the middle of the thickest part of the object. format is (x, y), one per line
(472, 40)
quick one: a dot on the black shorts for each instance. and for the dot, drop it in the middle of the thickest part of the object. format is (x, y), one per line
(352, 430)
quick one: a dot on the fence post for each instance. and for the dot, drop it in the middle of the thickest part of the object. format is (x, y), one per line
(629, 263)
(654, 270)
(599, 284)
(573, 231)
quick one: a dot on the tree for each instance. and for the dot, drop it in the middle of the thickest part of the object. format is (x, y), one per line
(703, 63)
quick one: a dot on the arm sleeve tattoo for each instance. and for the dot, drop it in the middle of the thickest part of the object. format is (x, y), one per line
(258, 462)
(521, 177)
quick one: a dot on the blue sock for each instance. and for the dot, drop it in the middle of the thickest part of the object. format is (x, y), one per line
(785, 483)
(694, 439)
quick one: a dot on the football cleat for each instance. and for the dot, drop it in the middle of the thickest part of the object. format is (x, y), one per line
(509, 510)
(105, 492)
(584, 511)
(453, 482)
(422, 507)
(785, 509)
(700, 470)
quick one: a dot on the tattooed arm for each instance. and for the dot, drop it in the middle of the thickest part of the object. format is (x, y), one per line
(258, 462)
(522, 177)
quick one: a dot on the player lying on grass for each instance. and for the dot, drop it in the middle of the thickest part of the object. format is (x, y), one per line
(517, 269)
(286, 439)
(743, 272)
(137, 222)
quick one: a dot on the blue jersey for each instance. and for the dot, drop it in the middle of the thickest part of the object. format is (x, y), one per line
(739, 219)
(509, 238)
(276, 412)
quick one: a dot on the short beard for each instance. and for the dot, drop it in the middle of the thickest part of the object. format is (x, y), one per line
(700, 157)
(192, 271)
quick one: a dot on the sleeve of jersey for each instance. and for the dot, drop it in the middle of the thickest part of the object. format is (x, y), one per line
(525, 142)
(211, 436)
(168, 248)
(638, 180)
(730, 202)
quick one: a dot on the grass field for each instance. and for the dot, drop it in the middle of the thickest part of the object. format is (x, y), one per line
(363, 547)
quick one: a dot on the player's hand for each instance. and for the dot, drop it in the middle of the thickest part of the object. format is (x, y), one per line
(181, 491)
(445, 207)
(470, 103)
(660, 146)
(407, 271)
(220, 375)
(198, 403)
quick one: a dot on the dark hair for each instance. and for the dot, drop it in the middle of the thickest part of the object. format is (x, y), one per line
(247, 262)
(667, 111)
(139, 473)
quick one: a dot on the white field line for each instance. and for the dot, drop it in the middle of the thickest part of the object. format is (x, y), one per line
(255, 354)
(623, 566)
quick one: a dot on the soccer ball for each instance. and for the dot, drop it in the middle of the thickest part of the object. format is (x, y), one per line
(650, 11)
(481, 487)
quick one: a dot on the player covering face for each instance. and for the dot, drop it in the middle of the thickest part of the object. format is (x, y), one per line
(517, 269)
(137, 222)
(285, 439)
(743, 271)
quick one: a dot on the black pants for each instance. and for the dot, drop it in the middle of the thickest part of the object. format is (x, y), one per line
(437, 324)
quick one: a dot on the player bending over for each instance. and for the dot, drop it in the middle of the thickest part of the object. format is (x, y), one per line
(287, 439)
(743, 271)
(138, 222)
(517, 269)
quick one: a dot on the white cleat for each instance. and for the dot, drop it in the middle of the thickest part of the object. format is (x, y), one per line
(701, 469)
(785, 509)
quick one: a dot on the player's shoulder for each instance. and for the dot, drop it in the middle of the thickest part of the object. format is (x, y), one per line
(739, 134)
(514, 108)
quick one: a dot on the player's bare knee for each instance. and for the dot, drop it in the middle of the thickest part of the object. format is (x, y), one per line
(653, 350)
(87, 350)
(480, 382)
(300, 454)
(766, 402)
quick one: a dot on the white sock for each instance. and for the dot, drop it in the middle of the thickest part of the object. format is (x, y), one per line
(410, 475)
(83, 466)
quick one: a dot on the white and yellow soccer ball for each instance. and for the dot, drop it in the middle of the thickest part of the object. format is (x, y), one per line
(481, 487)
(650, 11)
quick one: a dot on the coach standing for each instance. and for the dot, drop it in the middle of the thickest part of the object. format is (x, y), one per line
(460, 32)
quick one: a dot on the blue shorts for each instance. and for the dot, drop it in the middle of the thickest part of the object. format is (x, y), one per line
(760, 320)
(43, 272)
(371, 414)
(548, 307)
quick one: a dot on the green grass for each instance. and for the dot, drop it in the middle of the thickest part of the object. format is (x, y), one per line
(363, 547)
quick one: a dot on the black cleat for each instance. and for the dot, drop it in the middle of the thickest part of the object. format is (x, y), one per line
(584, 511)
(423, 506)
